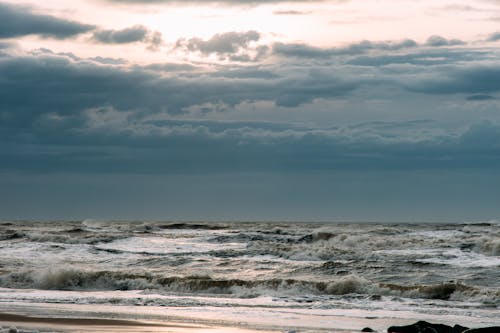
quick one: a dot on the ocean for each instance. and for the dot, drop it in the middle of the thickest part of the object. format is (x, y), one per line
(308, 277)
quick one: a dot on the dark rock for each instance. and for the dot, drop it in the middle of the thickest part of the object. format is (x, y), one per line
(440, 328)
(421, 327)
(404, 329)
(492, 329)
(368, 329)
(458, 329)
(425, 327)
(428, 329)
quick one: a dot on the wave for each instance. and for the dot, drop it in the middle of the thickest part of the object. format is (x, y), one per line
(330, 245)
(488, 246)
(11, 234)
(74, 237)
(72, 279)
(439, 291)
(193, 226)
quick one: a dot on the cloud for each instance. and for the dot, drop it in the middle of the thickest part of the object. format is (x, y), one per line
(71, 85)
(69, 55)
(6, 45)
(494, 37)
(480, 97)
(224, 2)
(420, 57)
(17, 21)
(107, 140)
(224, 45)
(127, 35)
(437, 41)
(109, 61)
(290, 12)
(59, 112)
(301, 50)
(475, 79)
(133, 34)
(171, 67)
(462, 8)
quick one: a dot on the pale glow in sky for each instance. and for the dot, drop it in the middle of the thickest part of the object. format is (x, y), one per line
(326, 24)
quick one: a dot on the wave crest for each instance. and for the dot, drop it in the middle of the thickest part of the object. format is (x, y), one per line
(71, 279)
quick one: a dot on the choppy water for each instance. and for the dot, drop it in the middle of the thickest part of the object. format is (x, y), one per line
(425, 269)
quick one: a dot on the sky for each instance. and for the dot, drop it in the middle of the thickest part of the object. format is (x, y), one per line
(308, 110)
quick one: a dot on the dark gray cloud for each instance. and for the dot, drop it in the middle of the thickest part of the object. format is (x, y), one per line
(476, 79)
(59, 112)
(136, 33)
(109, 61)
(248, 72)
(420, 57)
(133, 34)
(16, 21)
(438, 41)
(229, 44)
(480, 97)
(69, 55)
(301, 50)
(105, 144)
(171, 67)
(494, 37)
(71, 85)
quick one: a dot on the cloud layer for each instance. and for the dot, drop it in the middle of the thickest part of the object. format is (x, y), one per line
(61, 113)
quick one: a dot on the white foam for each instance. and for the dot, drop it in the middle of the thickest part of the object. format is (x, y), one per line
(456, 257)
(163, 245)
(438, 234)
(453, 257)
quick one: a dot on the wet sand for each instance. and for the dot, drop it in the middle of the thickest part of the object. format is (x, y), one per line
(74, 325)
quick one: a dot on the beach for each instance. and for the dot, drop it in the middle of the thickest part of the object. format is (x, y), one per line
(81, 319)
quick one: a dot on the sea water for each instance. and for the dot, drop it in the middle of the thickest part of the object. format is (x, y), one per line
(306, 276)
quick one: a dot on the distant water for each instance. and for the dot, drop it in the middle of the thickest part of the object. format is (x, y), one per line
(424, 269)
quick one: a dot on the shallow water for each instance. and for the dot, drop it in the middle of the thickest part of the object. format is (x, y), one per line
(304, 273)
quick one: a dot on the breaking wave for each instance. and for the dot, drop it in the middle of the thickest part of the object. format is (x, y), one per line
(489, 246)
(71, 279)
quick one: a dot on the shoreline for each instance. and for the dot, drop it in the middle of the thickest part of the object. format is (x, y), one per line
(30, 324)
(65, 317)
(15, 323)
